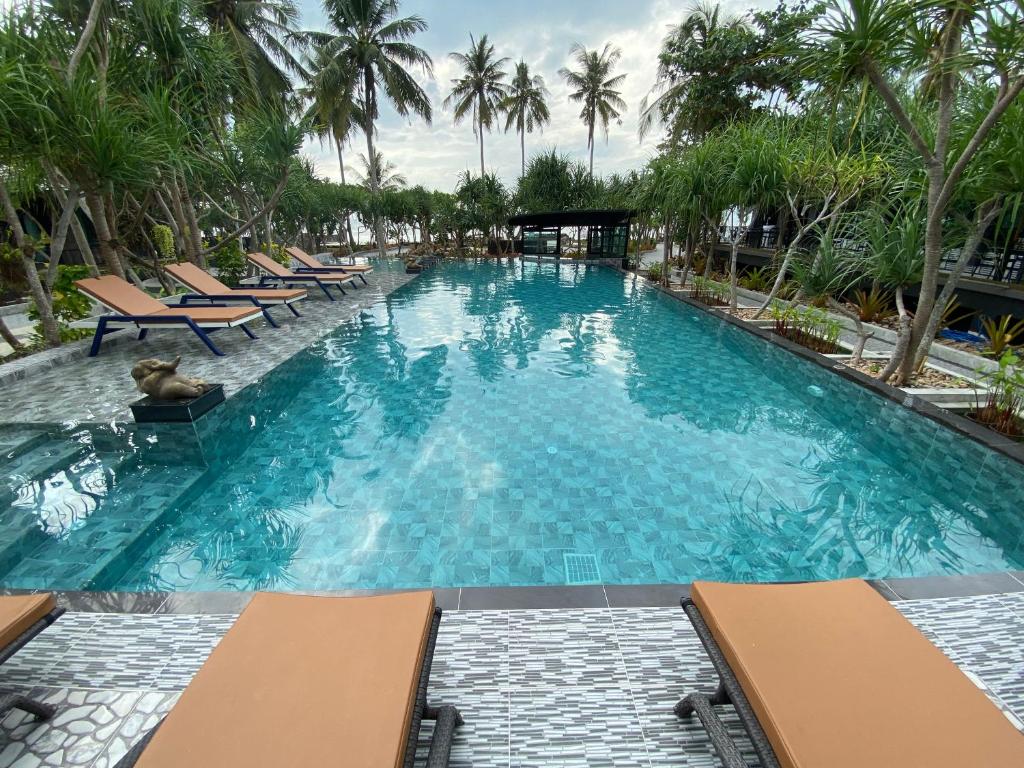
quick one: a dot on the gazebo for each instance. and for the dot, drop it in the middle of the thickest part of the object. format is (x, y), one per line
(607, 232)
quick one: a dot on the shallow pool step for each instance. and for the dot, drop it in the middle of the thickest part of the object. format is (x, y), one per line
(124, 513)
(15, 441)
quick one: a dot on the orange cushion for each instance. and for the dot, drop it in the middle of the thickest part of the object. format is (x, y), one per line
(19, 612)
(839, 678)
(303, 681)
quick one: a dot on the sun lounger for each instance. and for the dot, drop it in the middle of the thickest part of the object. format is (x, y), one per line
(206, 287)
(310, 681)
(275, 274)
(22, 617)
(831, 675)
(312, 264)
(130, 306)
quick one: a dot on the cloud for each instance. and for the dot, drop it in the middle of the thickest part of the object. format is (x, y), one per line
(541, 33)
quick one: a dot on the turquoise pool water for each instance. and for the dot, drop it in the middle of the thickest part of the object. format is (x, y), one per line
(514, 425)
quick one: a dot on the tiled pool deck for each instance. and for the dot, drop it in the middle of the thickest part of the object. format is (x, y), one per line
(574, 687)
(83, 389)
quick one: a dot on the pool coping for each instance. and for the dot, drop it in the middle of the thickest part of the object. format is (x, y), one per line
(993, 440)
(575, 597)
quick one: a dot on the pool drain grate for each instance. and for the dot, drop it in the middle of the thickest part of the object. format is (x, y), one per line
(581, 569)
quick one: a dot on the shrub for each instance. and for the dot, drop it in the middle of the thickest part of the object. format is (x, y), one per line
(69, 304)
(277, 252)
(163, 241)
(1005, 398)
(809, 326)
(710, 292)
(230, 263)
(1001, 334)
(874, 305)
(654, 272)
(759, 280)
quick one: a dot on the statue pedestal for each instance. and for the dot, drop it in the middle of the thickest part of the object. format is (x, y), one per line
(149, 410)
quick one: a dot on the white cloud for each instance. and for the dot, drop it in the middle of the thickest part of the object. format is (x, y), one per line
(435, 155)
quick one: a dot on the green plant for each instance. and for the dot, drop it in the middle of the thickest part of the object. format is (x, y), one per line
(1004, 401)
(654, 271)
(809, 326)
(277, 252)
(710, 292)
(230, 263)
(69, 304)
(1001, 334)
(759, 280)
(163, 241)
(874, 305)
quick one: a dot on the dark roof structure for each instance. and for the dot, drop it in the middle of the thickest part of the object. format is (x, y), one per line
(589, 218)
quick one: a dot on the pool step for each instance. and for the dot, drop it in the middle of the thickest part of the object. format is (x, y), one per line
(120, 514)
(15, 441)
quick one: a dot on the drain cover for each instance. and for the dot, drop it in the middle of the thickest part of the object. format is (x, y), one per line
(581, 569)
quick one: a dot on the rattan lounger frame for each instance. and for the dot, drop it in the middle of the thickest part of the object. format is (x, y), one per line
(446, 718)
(10, 699)
(729, 692)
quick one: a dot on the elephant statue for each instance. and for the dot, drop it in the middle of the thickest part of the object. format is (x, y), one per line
(159, 380)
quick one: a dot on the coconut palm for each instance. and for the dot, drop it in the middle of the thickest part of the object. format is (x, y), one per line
(370, 44)
(260, 34)
(525, 107)
(481, 89)
(595, 88)
(388, 179)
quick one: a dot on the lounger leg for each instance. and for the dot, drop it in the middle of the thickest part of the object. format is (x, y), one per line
(294, 310)
(143, 333)
(10, 701)
(324, 289)
(273, 323)
(727, 751)
(363, 278)
(205, 338)
(101, 329)
(248, 332)
(342, 290)
(446, 720)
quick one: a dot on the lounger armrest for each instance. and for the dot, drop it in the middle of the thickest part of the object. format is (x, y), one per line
(317, 270)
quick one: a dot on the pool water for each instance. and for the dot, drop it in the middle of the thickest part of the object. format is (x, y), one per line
(532, 424)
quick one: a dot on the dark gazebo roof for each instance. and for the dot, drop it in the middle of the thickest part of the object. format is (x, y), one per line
(591, 218)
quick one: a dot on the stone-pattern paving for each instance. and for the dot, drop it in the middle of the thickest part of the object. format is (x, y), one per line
(99, 389)
(590, 687)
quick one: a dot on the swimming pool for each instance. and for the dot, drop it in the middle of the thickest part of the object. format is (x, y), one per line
(493, 424)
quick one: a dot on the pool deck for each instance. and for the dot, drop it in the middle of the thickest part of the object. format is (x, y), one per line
(62, 385)
(588, 686)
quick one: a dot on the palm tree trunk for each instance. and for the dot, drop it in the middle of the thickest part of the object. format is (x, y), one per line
(26, 251)
(590, 141)
(378, 225)
(10, 338)
(347, 226)
(99, 222)
(480, 127)
(522, 152)
(195, 236)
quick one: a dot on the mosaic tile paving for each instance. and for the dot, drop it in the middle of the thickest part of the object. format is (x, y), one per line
(99, 389)
(537, 688)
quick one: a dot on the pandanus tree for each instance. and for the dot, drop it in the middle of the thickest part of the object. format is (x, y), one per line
(372, 45)
(595, 87)
(944, 48)
(525, 107)
(481, 89)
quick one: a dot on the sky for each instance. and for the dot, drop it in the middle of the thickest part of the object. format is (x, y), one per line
(540, 32)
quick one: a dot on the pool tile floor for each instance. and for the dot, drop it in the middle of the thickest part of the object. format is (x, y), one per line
(582, 687)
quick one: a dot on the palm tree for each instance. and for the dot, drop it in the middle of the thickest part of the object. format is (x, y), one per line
(333, 111)
(259, 33)
(481, 89)
(387, 176)
(525, 106)
(678, 95)
(595, 88)
(371, 47)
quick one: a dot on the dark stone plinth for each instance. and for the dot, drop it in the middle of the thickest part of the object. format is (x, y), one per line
(149, 410)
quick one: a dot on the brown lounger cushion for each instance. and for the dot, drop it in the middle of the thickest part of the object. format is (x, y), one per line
(125, 299)
(303, 681)
(313, 263)
(271, 267)
(839, 679)
(19, 612)
(201, 281)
